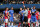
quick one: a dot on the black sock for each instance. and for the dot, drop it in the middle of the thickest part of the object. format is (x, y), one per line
(23, 25)
(27, 25)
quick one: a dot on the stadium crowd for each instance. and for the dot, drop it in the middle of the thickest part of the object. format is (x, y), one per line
(24, 18)
(20, 1)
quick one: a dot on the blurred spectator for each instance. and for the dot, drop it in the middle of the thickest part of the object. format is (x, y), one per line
(20, 1)
(38, 3)
(31, 2)
(5, 1)
(13, 2)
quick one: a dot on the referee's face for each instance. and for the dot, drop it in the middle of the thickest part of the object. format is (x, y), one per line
(27, 8)
(20, 8)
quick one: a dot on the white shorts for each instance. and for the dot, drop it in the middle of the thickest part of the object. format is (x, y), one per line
(6, 20)
(29, 20)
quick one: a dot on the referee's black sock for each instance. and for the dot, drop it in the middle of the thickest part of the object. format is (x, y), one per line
(23, 25)
(27, 25)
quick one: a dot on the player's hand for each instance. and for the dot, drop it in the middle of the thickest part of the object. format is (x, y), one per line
(22, 14)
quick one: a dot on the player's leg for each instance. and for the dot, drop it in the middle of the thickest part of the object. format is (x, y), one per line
(23, 24)
(9, 21)
(29, 22)
(37, 23)
(12, 21)
(20, 23)
(6, 22)
(34, 21)
(26, 22)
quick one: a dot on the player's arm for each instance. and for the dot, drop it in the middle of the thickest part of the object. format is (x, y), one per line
(6, 15)
(3, 13)
(38, 13)
(19, 13)
(13, 14)
(9, 13)
(24, 12)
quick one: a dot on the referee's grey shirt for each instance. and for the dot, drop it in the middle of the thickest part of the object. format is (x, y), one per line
(25, 13)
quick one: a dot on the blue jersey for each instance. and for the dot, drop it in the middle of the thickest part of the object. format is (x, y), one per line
(20, 12)
(11, 12)
(33, 17)
(23, 14)
(4, 12)
(33, 10)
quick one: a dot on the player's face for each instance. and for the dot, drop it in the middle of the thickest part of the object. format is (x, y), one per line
(7, 9)
(20, 8)
(12, 8)
(33, 7)
(27, 8)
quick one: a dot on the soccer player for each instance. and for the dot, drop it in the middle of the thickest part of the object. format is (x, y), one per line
(25, 18)
(37, 13)
(23, 15)
(33, 16)
(6, 16)
(29, 16)
(39, 20)
(20, 14)
(11, 12)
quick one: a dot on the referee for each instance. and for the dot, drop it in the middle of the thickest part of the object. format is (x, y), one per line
(25, 18)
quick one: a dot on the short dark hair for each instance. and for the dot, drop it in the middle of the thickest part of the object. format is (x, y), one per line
(6, 7)
(11, 7)
(20, 7)
(33, 6)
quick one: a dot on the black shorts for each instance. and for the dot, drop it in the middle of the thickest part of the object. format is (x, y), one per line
(25, 19)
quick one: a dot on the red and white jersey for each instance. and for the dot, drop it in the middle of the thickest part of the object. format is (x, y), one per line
(6, 12)
(37, 15)
(29, 12)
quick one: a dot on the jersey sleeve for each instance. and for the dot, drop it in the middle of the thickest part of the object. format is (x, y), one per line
(32, 10)
(19, 12)
(9, 11)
